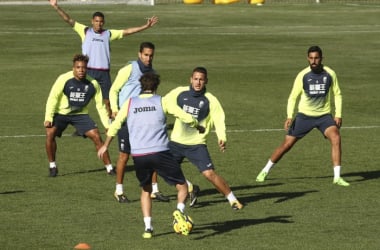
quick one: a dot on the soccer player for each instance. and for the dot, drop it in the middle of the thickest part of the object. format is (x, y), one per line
(313, 89)
(146, 121)
(68, 104)
(126, 85)
(186, 142)
(96, 45)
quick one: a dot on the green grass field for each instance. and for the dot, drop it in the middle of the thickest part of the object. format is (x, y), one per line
(253, 55)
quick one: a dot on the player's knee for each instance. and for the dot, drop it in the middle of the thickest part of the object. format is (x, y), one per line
(209, 174)
(94, 136)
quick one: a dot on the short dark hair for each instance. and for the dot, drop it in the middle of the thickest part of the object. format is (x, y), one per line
(315, 48)
(98, 13)
(148, 45)
(80, 58)
(200, 69)
(149, 81)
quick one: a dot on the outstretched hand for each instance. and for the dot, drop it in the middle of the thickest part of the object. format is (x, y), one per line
(53, 2)
(150, 21)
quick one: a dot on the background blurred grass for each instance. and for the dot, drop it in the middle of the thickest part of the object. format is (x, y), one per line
(252, 55)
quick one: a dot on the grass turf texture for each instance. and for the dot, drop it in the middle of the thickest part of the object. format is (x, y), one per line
(252, 55)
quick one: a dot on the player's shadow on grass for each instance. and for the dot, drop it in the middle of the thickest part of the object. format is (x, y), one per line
(217, 228)
(13, 192)
(129, 168)
(201, 231)
(282, 196)
(204, 201)
(364, 176)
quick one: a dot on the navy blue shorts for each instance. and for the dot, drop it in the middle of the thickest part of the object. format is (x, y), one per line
(123, 139)
(104, 79)
(303, 124)
(196, 154)
(162, 162)
(82, 123)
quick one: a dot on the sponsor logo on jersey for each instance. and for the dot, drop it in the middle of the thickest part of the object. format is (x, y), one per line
(144, 109)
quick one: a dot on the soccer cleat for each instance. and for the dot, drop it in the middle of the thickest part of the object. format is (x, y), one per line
(341, 182)
(159, 197)
(261, 176)
(112, 172)
(181, 222)
(193, 195)
(148, 233)
(236, 205)
(53, 172)
(121, 198)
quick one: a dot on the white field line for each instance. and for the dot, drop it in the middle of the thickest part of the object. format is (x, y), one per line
(243, 30)
(252, 31)
(228, 131)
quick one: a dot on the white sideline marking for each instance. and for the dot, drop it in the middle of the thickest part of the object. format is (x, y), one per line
(228, 131)
(281, 129)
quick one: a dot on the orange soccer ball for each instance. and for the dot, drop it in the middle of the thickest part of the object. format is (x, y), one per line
(82, 246)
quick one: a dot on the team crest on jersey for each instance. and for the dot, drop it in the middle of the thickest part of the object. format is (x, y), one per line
(201, 104)
(325, 79)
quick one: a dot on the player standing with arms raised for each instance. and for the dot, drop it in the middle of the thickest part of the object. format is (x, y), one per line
(96, 45)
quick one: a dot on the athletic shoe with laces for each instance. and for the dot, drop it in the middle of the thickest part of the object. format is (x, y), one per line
(159, 197)
(53, 172)
(341, 182)
(236, 205)
(193, 195)
(181, 222)
(261, 176)
(121, 198)
(148, 233)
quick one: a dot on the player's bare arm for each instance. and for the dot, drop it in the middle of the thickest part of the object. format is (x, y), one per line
(149, 23)
(62, 13)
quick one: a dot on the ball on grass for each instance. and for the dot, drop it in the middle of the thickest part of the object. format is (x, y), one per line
(82, 246)
(189, 222)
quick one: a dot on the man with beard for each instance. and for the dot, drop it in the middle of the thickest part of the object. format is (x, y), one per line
(313, 89)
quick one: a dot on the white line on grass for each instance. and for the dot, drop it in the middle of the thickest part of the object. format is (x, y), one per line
(281, 129)
(228, 131)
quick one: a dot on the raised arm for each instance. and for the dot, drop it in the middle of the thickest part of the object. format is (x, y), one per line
(149, 23)
(62, 13)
